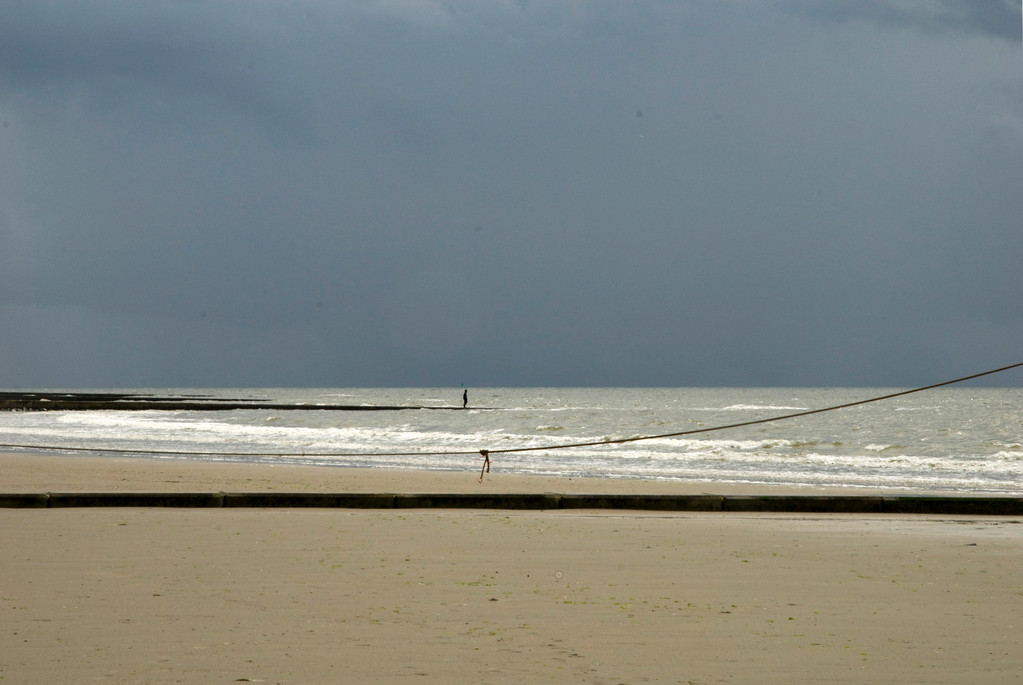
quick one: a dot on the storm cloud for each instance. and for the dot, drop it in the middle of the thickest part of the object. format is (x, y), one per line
(995, 18)
(424, 193)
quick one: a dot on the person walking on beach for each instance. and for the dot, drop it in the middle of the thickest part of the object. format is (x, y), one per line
(465, 398)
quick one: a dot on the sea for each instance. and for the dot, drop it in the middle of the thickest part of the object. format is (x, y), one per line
(954, 439)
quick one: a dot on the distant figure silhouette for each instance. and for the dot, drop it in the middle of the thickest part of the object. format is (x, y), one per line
(465, 398)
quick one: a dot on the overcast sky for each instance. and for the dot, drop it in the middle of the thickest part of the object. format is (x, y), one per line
(530, 192)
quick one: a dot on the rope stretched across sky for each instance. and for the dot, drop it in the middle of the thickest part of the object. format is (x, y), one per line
(485, 453)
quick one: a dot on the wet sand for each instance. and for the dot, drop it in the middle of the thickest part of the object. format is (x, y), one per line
(143, 595)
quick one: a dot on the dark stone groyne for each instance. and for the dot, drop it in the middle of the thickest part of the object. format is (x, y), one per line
(91, 401)
(795, 504)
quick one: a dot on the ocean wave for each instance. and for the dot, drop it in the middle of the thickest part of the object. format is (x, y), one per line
(966, 445)
(761, 407)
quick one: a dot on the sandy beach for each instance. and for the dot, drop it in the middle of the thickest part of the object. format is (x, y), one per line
(140, 595)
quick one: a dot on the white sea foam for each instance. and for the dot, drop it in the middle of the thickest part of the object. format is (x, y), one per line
(761, 407)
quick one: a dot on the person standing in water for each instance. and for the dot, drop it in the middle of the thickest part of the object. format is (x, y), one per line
(465, 398)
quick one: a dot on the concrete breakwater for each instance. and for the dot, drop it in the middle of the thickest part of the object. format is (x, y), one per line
(796, 504)
(90, 401)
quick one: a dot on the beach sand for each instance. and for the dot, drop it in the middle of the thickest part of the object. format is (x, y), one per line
(139, 595)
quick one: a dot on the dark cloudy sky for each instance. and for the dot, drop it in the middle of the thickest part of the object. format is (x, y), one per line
(530, 192)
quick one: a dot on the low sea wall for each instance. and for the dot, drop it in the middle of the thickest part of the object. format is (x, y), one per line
(800, 504)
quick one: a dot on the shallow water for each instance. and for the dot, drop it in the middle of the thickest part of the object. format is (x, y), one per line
(954, 439)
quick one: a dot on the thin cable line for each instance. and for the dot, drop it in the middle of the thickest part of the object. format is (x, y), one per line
(748, 423)
(484, 453)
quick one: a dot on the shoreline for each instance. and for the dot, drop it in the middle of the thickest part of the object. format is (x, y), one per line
(30, 472)
(36, 481)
